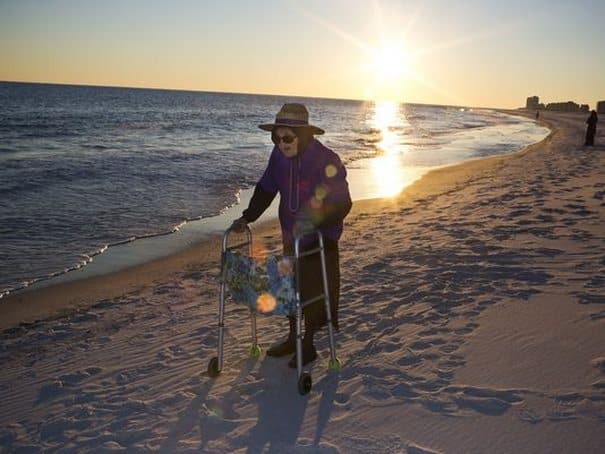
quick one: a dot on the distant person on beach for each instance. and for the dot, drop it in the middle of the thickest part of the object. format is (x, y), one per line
(591, 129)
(537, 114)
(314, 194)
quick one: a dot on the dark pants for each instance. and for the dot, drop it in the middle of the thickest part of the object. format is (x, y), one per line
(311, 284)
(590, 133)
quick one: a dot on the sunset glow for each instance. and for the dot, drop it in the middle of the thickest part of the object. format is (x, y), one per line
(415, 52)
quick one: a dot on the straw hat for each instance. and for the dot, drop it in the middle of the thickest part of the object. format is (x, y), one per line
(292, 115)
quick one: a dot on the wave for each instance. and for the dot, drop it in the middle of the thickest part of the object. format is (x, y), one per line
(4, 292)
(89, 257)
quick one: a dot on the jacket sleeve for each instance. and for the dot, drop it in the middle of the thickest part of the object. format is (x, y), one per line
(264, 192)
(337, 203)
(259, 202)
(335, 213)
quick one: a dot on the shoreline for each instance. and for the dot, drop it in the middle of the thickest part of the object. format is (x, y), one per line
(79, 289)
(383, 174)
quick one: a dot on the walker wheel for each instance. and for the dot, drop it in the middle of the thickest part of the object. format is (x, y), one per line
(255, 351)
(213, 370)
(334, 364)
(304, 383)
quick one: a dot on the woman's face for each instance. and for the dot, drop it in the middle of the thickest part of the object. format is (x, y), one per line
(286, 140)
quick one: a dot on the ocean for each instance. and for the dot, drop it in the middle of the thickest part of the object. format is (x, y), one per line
(87, 171)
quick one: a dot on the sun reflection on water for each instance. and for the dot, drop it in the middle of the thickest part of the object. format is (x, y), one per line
(387, 168)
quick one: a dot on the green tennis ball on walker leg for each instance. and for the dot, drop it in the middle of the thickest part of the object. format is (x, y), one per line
(334, 364)
(255, 351)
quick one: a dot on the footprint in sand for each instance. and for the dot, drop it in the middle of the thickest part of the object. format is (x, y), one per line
(410, 360)
(597, 315)
(51, 391)
(342, 398)
(599, 363)
(588, 298)
(74, 378)
(599, 384)
(467, 329)
(416, 449)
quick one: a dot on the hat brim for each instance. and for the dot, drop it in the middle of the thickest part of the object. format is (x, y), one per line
(271, 126)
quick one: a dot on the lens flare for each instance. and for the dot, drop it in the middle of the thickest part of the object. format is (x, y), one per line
(331, 170)
(285, 267)
(265, 303)
(321, 191)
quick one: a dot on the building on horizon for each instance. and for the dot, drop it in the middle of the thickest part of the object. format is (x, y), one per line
(532, 102)
(568, 106)
(601, 107)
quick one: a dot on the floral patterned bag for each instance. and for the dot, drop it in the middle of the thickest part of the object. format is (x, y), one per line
(265, 287)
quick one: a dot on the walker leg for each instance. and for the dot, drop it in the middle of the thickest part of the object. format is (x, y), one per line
(216, 364)
(299, 339)
(305, 382)
(334, 362)
(221, 327)
(255, 348)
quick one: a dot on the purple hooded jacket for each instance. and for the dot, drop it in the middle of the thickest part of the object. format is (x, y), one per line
(312, 187)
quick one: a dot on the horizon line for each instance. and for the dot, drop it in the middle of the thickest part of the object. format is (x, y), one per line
(70, 84)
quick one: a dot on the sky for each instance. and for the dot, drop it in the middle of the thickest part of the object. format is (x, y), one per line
(484, 53)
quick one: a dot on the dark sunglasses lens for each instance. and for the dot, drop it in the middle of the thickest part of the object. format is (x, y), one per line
(286, 139)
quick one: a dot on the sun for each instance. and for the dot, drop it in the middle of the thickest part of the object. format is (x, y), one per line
(390, 63)
(389, 68)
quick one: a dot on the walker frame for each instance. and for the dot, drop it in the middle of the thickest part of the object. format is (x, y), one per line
(215, 366)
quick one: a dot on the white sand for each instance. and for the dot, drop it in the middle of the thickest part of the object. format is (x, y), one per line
(473, 320)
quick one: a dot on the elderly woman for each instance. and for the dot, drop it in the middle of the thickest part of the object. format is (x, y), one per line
(314, 194)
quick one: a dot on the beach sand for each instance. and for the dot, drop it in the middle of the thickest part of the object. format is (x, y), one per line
(472, 320)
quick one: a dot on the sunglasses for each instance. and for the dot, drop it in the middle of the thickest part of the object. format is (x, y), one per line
(285, 139)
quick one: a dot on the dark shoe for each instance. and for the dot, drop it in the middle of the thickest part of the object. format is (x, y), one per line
(309, 354)
(287, 347)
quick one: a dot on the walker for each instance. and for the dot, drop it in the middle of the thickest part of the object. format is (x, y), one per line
(285, 307)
